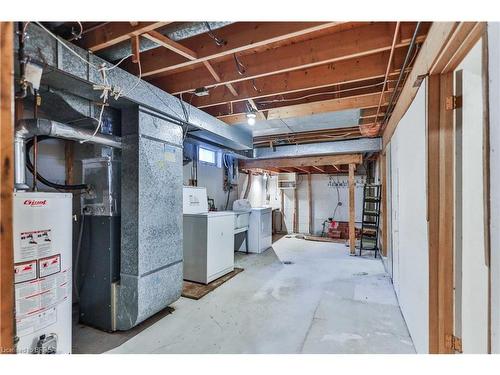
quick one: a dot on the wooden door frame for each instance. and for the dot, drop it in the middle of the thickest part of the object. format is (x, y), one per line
(445, 47)
(6, 186)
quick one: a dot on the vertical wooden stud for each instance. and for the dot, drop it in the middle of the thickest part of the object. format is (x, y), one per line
(6, 187)
(309, 199)
(352, 231)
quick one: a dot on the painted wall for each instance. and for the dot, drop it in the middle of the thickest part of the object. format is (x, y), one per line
(327, 191)
(409, 222)
(471, 273)
(494, 99)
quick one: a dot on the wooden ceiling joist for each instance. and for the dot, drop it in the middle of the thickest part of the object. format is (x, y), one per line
(438, 36)
(115, 32)
(309, 161)
(171, 45)
(331, 105)
(334, 47)
(240, 36)
(346, 71)
(308, 136)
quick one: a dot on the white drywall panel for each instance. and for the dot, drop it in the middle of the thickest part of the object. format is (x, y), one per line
(474, 269)
(494, 99)
(409, 201)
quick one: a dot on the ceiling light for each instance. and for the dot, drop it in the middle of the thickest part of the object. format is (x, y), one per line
(251, 118)
(201, 91)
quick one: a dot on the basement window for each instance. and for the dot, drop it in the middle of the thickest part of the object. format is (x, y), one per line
(207, 156)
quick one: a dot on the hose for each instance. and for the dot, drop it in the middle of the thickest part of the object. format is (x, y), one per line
(39, 177)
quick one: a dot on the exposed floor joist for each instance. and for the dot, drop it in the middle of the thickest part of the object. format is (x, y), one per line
(239, 37)
(301, 161)
(113, 33)
(346, 71)
(343, 45)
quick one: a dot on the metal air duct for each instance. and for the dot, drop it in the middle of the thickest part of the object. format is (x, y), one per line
(29, 128)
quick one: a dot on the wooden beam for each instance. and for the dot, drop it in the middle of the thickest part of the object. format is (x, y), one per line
(301, 162)
(318, 168)
(332, 105)
(309, 200)
(352, 217)
(295, 211)
(240, 36)
(342, 72)
(171, 45)
(330, 48)
(6, 186)
(331, 134)
(438, 35)
(69, 156)
(136, 50)
(433, 198)
(446, 211)
(112, 33)
(464, 37)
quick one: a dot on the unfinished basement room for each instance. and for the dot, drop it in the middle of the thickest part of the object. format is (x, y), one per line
(249, 187)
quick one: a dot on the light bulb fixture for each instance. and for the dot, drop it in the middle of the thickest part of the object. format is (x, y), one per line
(251, 116)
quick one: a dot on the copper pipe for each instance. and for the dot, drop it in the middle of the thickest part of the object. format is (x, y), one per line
(389, 63)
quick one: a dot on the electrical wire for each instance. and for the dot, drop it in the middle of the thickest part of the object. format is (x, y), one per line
(219, 41)
(239, 65)
(74, 35)
(321, 93)
(39, 177)
(63, 42)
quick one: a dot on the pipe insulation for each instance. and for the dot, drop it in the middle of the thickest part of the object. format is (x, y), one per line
(28, 128)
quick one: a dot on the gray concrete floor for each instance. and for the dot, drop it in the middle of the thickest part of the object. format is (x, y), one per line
(324, 302)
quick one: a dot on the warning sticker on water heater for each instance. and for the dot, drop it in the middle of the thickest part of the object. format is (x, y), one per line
(50, 265)
(35, 244)
(25, 271)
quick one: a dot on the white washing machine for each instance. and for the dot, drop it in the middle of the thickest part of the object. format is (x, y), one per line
(208, 238)
(260, 235)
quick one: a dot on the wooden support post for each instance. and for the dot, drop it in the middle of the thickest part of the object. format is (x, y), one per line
(69, 155)
(282, 195)
(136, 51)
(6, 187)
(295, 211)
(383, 204)
(446, 209)
(309, 199)
(440, 207)
(352, 231)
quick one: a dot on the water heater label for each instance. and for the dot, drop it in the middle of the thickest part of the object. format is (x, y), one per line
(50, 265)
(25, 271)
(35, 244)
(29, 325)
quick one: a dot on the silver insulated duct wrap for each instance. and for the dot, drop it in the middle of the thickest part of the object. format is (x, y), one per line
(151, 225)
(26, 129)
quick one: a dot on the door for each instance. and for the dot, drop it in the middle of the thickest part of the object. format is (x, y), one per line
(395, 216)
(471, 258)
(388, 214)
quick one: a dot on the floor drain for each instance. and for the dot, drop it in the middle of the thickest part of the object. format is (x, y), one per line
(360, 274)
(287, 262)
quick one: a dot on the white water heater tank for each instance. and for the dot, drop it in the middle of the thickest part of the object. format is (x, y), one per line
(42, 271)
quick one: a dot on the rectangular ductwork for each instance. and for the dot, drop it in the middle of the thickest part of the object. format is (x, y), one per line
(151, 226)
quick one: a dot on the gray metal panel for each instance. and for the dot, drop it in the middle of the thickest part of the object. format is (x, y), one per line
(360, 145)
(65, 71)
(151, 253)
